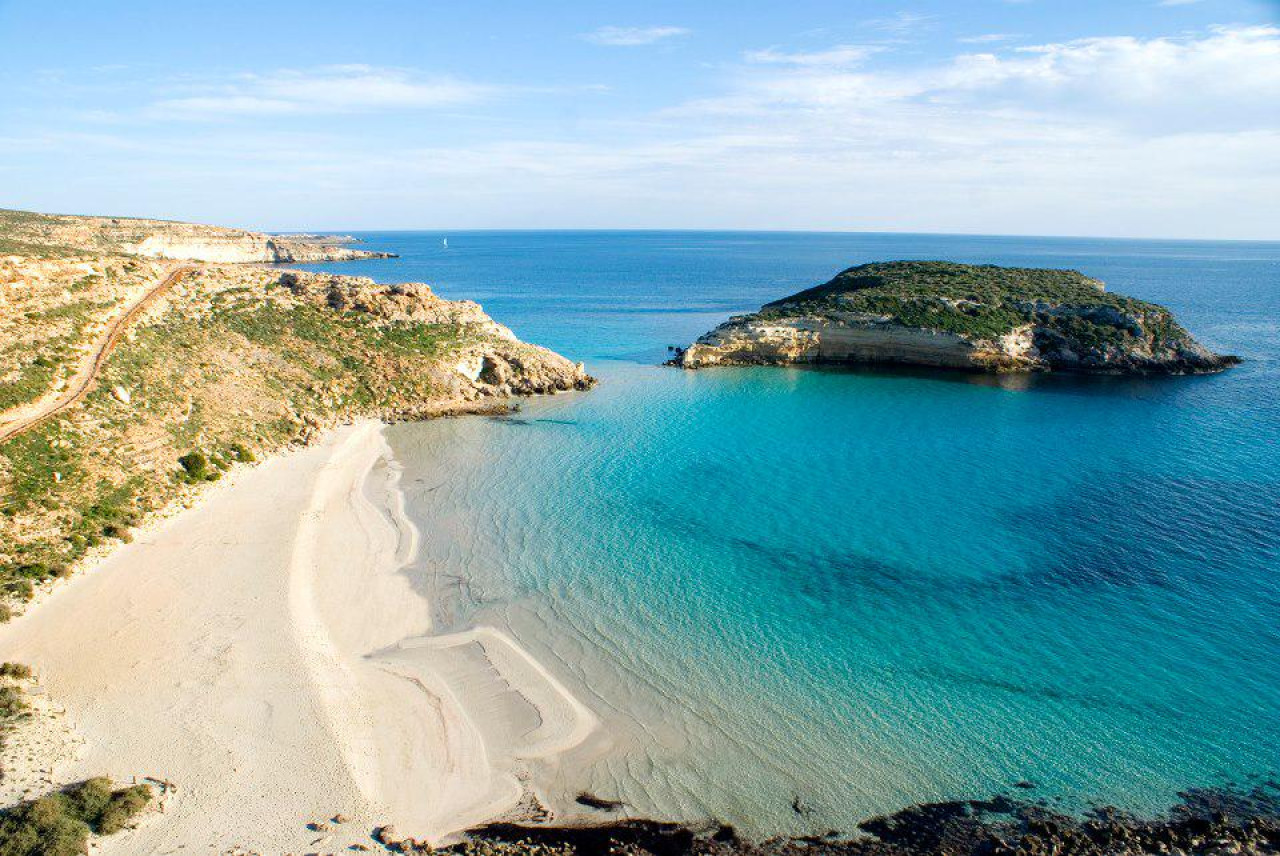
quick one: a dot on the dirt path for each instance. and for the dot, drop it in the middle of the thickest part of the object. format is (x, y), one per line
(27, 416)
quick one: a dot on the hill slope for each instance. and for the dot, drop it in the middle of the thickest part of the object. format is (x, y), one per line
(229, 363)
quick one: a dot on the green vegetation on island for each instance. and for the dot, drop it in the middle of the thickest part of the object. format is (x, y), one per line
(982, 301)
(965, 316)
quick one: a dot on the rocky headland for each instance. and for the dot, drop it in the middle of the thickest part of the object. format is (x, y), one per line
(947, 315)
(44, 234)
(222, 364)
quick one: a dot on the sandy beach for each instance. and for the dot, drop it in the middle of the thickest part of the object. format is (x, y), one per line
(265, 653)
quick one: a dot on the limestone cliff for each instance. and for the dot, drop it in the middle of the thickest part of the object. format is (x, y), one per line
(983, 318)
(164, 239)
(232, 246)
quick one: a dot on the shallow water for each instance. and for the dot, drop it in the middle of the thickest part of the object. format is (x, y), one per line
(800, 597)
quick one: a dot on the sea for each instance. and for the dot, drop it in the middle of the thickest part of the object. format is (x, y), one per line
(799, 597)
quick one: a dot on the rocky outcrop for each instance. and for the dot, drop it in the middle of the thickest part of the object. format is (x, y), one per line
(401, 301)
(490, 361)
(959, 316)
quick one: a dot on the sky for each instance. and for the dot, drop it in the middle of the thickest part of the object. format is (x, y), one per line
(1125, 118)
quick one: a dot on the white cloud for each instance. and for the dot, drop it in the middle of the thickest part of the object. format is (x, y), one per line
(1074, 137)
(631, 36)
(901, 23)
(1229, 77)
(1115, 135)
(331, 89)
(838, 56)
(1221, 80)
(987, 38)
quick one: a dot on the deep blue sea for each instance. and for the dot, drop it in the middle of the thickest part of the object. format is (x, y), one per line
(800, 597)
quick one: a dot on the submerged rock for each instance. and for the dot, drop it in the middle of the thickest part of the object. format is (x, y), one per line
(975, 317)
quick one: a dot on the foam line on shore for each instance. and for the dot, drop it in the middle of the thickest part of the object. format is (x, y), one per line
(437, 735)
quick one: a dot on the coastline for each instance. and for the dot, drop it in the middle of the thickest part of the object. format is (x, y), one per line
(547, 648)
(264, 653)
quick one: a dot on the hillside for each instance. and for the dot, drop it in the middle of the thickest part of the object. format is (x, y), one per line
(979, 317)
(228, 364)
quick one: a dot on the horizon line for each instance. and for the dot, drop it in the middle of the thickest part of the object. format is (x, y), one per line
(748, 231)
(656, 229)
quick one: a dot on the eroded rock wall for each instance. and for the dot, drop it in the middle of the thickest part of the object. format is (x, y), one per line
(239, 248)
(780, 341)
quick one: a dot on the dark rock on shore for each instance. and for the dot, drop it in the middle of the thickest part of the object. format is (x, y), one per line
(592, 801)
(1215, 822)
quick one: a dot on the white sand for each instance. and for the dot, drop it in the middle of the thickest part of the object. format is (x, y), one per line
(264, 652)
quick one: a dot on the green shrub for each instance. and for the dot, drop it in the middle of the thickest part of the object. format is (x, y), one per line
(22, 590)
(88, 799)
(21, 671)
(42, 828)
(59, 824)
(12, 702)
(123, 805)
(195, 468)
(194, 463)
(241, 453)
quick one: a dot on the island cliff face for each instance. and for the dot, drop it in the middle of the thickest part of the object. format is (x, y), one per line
(941, 314)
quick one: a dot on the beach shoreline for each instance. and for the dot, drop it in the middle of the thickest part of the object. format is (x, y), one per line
(264, 652)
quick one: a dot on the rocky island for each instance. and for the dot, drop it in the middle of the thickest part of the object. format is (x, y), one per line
(975, 317)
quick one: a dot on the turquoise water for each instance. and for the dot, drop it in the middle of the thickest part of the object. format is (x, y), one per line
(801, 597)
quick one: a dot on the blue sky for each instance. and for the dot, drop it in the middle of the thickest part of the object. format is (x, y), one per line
(1152, 118)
